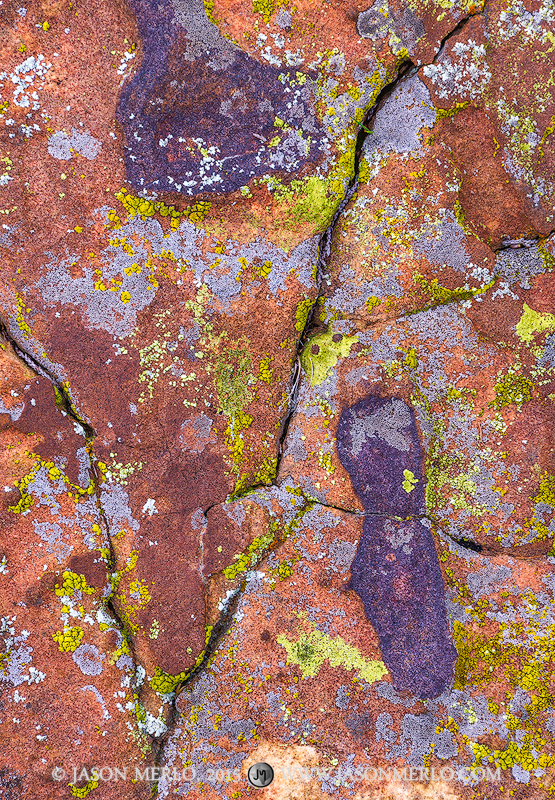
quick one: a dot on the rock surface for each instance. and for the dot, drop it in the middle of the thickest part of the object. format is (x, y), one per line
(276, 398)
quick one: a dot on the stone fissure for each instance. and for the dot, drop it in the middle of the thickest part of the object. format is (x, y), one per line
(324, 252)
(64, 399)
(39, 370)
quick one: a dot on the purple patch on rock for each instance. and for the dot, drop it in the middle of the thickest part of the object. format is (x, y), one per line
(199, 114)
(395, 571)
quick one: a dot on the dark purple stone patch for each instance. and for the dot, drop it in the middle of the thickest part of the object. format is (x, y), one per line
(200, 114)
(395, 571)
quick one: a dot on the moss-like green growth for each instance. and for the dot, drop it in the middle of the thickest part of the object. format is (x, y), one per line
(164, 683)
(265, 373)
(266, 472)
(440, 295)
(311, 650)
(26, 500)
(322, 353)
(264, 7)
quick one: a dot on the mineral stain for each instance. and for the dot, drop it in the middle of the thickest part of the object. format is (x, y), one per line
(395, 571)
(202, 116)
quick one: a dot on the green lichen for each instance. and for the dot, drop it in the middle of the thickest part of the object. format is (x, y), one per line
(411, 359)
(72, 582)
(512, 388)
(450, 112)
(233, 377)
(266, 472)
(26, 500)
(301, 314)
(311, 650)
(532, 322)
(69, 639)
(164, 683)
(264, 7)
(410, 481)
(306, 201)
(247, 560)
(322, 353)
(440, 295)
(265, 373)
(85, 790)
(148, 208)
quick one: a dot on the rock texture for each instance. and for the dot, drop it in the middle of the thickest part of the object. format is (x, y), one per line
(277, 374)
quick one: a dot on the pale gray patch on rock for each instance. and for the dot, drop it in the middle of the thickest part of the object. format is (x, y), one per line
(198, 519)
(387, 692)
(236, 513)
(288, 151)
(356, 375)
(342, 697)
(19, 653)
(342, 554)
(380, 20)
(519, 774)
(288, 501)
(114, 501)
(294, 446)
(319, 517)
(105, 309)
(307, 484)
(283, 19)
(454, 609)
(52, 534)
(387, 423)
(351, 298)
(60, 145)
(483, 582)
(383, 729)
(203, 35)
(519, 701)
(398, 123)
(443, 244)
(15, 411)
(125, 662)
(399, 534)
(417, 732)
(225, 285)
(94, 690)
(519, 265)
(89, 659)
(84, 467)
(45, 490)
(549, 581)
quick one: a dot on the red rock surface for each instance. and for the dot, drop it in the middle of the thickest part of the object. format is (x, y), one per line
(223, 226)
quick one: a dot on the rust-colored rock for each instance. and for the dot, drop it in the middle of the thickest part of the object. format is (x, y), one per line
(224, 227)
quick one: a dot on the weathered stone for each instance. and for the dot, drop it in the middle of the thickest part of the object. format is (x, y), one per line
(167, 171)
